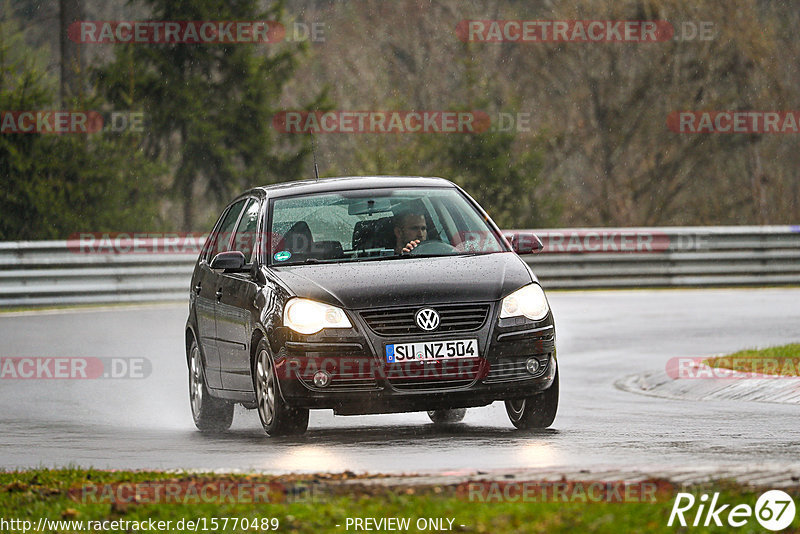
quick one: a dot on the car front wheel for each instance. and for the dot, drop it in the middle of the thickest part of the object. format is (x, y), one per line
(210, 414)
(537, 411)
(276, 418)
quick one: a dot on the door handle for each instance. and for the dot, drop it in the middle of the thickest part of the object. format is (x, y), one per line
(197, 288)
(219, 293)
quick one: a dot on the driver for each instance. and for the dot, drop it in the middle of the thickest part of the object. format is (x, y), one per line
(410, 229)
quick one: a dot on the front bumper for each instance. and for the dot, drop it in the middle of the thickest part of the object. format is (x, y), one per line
(361, 381)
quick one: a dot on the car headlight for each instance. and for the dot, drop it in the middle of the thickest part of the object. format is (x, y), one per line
(528, 301)
(309, 317)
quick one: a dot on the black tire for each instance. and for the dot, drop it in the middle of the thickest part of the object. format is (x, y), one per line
(445, 417)
(538, 411)
(210, 413)
(276, 418)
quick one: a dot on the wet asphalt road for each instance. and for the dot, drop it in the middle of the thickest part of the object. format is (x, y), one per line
(602, 336)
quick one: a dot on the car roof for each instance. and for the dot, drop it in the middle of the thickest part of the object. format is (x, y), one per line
(344, 183)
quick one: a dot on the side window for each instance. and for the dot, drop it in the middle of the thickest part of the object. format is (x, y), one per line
(209, 244)
(225, 230)
(244, 239)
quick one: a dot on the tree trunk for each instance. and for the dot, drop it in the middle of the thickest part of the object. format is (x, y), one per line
(71, 52)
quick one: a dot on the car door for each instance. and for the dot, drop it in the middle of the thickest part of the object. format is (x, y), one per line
(205, 288)
(234, 317)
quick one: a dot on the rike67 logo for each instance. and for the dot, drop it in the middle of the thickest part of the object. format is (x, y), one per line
(774, 510)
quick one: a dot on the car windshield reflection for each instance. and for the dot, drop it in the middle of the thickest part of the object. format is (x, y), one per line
(372, 225)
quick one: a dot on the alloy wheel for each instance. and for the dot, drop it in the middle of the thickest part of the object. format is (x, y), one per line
(265, 383)
(196, 382)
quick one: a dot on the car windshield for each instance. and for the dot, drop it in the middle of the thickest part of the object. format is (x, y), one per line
(376, 224)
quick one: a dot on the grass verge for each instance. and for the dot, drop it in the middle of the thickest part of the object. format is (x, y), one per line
(783, 360)
(318, 503)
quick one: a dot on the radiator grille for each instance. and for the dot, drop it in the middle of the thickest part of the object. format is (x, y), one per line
(400, 321)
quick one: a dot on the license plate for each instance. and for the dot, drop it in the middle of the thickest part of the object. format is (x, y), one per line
(432, 350)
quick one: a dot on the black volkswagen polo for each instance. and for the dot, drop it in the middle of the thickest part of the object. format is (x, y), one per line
(366, 295)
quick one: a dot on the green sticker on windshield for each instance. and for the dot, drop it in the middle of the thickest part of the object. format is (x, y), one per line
(283, 255)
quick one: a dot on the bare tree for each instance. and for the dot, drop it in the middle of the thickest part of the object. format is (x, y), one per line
(72, 63)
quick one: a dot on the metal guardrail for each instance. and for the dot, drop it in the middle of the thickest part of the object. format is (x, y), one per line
(669, 257)
(36, 273)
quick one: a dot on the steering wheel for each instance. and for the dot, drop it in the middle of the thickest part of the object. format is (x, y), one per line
(433, 246)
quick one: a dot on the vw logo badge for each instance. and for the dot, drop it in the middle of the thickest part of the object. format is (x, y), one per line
(427, 319)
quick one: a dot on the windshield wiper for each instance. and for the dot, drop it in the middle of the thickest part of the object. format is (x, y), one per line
(315, 261)
(411, 256)
(306, 261)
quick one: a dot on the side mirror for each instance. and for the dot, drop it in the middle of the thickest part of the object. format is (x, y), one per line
(525, 242)
(231, 261)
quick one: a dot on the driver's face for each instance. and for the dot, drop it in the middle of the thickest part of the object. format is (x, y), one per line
(413, 227)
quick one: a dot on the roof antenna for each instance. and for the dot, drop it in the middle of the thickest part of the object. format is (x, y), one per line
(314, 153)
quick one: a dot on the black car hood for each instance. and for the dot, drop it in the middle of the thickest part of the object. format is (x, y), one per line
(404, 281)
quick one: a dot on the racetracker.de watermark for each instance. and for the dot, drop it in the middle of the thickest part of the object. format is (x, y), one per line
(174, 32)
(579, 241)
(70, 122)
(599, 241)
(565, 491)
(192, 492)
(603, 241)
(190, 243)
(413, 368)
(73, 368)
(564, 31)
(583, 31)
(374, 121)
(733, 368)
(193, 32)
(733, 122)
